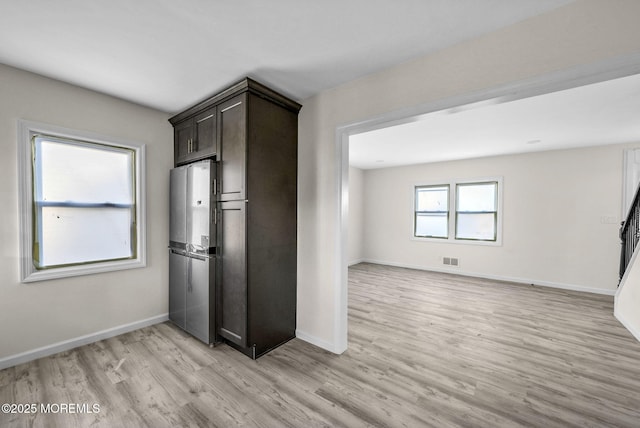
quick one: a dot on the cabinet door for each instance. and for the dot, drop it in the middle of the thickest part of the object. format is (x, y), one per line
(205, 130)
(182, 143)
(232, 271)
(197, 319)
(177, 288)
(232, 148)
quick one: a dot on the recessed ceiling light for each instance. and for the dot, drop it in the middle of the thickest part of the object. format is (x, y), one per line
(533, 141)
(380, 161)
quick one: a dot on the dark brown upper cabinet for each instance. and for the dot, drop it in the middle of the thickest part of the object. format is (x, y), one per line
(195, 137)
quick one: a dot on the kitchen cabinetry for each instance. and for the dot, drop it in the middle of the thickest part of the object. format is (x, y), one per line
(195, 137)
(256, 152)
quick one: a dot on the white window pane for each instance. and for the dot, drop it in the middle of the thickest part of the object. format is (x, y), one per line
(77, 235)
(432, 198)
(476, 226)
(87, 174)
(477, 197)
(435, 225)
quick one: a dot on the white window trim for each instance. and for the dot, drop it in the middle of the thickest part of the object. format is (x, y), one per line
(28, 273)
(452, 211)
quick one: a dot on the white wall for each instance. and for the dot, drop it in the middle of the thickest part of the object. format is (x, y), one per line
(45, 313)
(561, 215)
(356, 215)
(581, 33)
(627, 301)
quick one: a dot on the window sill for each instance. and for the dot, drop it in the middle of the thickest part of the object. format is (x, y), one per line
(93, 268)
(497, 243)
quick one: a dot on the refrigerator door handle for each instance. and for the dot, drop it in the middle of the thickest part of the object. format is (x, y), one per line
(200, 257)
(189, 287)
(177, 251)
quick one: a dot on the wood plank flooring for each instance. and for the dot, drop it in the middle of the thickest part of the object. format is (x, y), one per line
(425, 349)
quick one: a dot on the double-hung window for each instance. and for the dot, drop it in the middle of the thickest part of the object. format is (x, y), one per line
(432, 211)
(82, 204)
(459, 211)
(477, 211)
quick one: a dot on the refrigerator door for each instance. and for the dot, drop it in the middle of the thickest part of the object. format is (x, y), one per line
(178, 211)
(191, 268)
(178, 267)
(198, 297)
(199, 188)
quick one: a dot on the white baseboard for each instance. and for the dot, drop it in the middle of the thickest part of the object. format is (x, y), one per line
(355, 262)
(55, 348)
(320, 343)
(458, 271)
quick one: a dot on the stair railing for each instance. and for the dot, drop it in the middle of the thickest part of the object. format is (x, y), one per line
(630, 233)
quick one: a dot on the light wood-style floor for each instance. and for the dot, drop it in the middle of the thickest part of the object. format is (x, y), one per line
(425, 349)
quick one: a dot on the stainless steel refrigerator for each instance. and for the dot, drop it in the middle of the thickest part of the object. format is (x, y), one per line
(192, 249)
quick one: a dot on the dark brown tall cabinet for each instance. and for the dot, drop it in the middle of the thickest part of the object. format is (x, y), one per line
(255, 131)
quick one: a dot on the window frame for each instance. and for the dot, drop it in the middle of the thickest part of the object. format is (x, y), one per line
(458, 212)
(27, 130)
(416, 212)
(453, 210)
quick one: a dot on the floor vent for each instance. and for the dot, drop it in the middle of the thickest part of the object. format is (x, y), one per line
(451, 261)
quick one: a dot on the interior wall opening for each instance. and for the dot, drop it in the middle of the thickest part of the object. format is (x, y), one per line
(400, 121)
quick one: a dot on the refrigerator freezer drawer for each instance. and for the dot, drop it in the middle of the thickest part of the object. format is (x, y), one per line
(191, 294)
(197, 301)
(177, 289)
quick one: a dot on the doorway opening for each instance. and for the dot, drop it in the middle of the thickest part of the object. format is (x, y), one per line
(473, 102)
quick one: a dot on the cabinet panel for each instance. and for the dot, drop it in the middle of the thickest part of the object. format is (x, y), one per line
(205, 134)
(232, 148)
(183, 135)
(232, 268)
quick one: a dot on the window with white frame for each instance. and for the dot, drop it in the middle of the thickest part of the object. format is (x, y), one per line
(477, 211)
(432, 211)
(459, 211)
(82, 203)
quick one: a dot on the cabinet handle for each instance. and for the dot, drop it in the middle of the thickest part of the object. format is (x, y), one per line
(190, 146)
